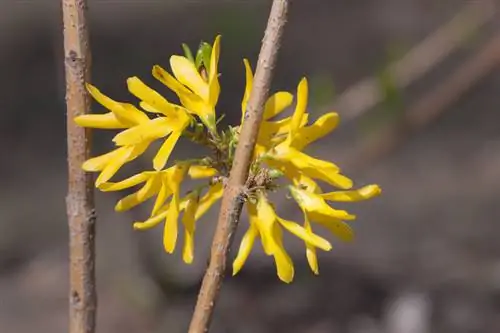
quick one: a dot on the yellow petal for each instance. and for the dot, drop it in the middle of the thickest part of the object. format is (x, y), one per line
(165, 150)
(168, 80)
(163, 194)
(364, 193)
(186, 73)
(305, 235)
(213, 194)
(192, 102)
(126, 183)
(336, 226)
(277, 103)
(284, 264)
(99, 162)
(264, 218)
(170, 232)
(300, 108)
(315, 168)
(104, 121)
(306, 135)
(248, 88)
(213, 79)
(201, 171)
(312, 258)
(152, 221)
(314, 203)
(188, 219)
(123, 155)
(245, 248)
(152, 130)
(125, 113)
(149, 189)
(140, 90)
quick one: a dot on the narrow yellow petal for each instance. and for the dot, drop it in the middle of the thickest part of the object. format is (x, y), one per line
(209, 199)
(312, 258)
(168, 80)
(188, 219)
(191, 101)
(314, 203)
(300, 108)
(125, 113)
(104, 121)
(186, 73)
(201, 171)
(165, 150)
(277, 103)
(152, 130)
(150, 188)
(245, 248)
(305, 235)
(152, 221)
(98, 163)
(248, 88)
(170, 232)
(213, 79)
(336, 226)
(284, 264)
(126, 183)
(306, 135)
(140, 90)
(264, 218)
(121, 157)
(364, 193)
(315, 168)
(164, 193)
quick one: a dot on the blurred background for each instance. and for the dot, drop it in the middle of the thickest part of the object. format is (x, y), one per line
(417, 86)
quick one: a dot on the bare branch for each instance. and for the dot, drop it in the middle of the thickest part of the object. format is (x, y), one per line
(430, 106)
(232, 202)
(421, 59)
(80, 199)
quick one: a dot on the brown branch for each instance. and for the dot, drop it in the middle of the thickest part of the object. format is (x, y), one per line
(80, 198)
(232, 202)
(430, 106)
(421, 59)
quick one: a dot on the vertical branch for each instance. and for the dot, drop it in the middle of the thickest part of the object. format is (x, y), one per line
(232, 203)
(80, 199)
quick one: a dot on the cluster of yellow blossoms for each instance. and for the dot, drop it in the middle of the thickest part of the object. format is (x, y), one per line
(278, 153)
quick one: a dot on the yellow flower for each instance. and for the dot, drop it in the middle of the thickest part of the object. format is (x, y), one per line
(194, 208)
(316, 209)
(140, 131)
(197, 94)
(264, 223)
(287, 156)
(172, 123)
(122, 115)
(270, 131)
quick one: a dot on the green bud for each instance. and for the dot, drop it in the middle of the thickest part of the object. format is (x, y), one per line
(187, 52)
(203, 56)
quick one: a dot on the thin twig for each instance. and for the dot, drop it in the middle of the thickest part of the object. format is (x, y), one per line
(421, 59)
(80, 199)
(430, 106)
(232, 202)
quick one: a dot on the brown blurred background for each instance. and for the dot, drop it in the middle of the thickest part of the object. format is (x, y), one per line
(417, 85)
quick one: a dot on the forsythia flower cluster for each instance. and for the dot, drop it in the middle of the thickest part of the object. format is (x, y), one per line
(278, 153)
